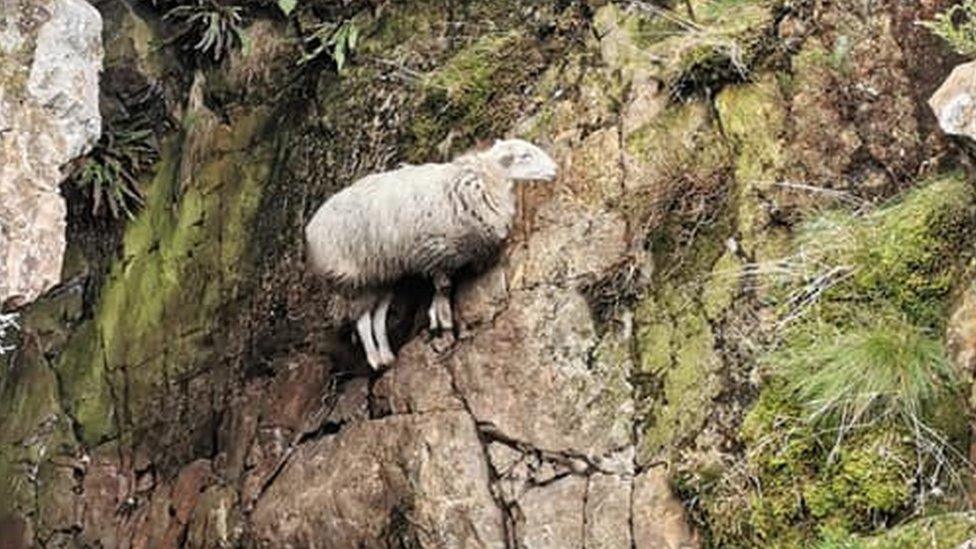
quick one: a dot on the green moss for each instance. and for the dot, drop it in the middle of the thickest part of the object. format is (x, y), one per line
(677, 350)
(906, 254)
(719, 45)
(831, 444)
(753, 118)
(467, 77)
(691, 52)
(941, 531)
(467, 93)
(28, 401)
(135, 340)
(680, 138)
(655, 333)
(789, 491)
(720, 289)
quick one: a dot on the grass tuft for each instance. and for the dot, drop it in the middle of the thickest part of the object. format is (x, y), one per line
(887, 370)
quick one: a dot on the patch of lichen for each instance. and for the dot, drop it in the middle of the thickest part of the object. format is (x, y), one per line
(677, 371)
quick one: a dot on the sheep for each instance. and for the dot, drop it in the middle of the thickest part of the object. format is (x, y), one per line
(428, 220)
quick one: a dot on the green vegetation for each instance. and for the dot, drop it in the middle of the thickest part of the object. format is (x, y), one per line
(957, 26)
(337, 39)
(208, 28)
(476, 92)
(905, 255)
(108, 174)
(854, 428)
(702, 45)
(883, 369)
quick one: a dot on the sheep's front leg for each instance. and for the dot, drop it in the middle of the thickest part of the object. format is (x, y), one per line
(379, 330)
(365, 328)
(440, 307)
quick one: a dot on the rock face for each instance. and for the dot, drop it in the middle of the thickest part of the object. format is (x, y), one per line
(50, 58)
(597, 391)
(420, 479)
(955, 102)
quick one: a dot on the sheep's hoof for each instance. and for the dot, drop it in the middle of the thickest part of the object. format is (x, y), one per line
(376, 363)
(444, 314)
(444, 342)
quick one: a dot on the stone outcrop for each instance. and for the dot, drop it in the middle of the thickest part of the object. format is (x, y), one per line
(50, 58)
(594, 393)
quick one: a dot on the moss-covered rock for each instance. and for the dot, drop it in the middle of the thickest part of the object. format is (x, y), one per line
(677, 353)
(907, 254)
(116, 362)
(833, 441)
(753, 118)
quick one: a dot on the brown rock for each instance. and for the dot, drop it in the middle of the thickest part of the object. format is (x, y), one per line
(553, 515)
(659, 517)
(421, 478)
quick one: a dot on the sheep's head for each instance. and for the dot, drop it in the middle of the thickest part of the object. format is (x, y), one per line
(520, 160)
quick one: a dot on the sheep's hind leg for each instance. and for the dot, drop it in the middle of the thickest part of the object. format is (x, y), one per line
(365, 328)
(440, 306)
(379, 330)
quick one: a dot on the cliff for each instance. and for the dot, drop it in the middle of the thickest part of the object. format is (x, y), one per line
(741, 316)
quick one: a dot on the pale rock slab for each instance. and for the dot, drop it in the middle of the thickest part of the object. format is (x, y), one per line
(50, 59)
(954, 103)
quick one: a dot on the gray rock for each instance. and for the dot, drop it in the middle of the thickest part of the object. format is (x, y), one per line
(954, 103)
(608, 512)
(50, 57)
(528, 376)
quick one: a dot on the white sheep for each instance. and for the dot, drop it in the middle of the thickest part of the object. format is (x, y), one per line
(428, 220)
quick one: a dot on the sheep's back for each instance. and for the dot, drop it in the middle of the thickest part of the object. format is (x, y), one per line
(368, 233)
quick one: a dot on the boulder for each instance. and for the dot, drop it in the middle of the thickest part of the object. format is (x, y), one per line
(50, 57)
(954, 103)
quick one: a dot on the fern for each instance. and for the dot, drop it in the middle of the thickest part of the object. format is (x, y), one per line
(338, 40)
(957, 26)
(208, 27)
(108, 174)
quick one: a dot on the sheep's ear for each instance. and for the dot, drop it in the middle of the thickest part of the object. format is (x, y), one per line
(506, 160)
